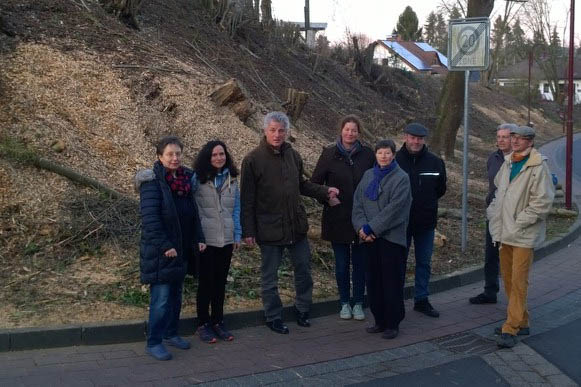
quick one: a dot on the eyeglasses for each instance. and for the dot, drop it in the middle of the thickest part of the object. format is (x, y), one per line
(519, 137)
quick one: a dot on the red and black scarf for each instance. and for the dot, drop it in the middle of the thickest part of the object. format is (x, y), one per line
(180, 183)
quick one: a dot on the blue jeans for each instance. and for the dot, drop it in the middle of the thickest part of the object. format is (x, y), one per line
(346, 253)
(423, 246)
(165, 305)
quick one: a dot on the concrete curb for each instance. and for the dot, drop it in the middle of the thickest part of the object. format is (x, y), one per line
(134, 331)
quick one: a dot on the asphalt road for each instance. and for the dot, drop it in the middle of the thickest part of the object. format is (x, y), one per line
(562, 347)
(472, 371)
(560, 157)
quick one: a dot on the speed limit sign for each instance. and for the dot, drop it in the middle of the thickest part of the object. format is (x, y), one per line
(468, 44)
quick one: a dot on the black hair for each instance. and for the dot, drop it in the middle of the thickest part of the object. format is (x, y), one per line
(382, 144)
(165, 141)
(204, 168)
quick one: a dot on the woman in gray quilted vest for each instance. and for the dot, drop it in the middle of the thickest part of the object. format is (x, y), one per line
(218, 198)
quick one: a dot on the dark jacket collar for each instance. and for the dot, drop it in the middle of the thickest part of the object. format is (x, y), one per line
(404, 151)
(499, 154)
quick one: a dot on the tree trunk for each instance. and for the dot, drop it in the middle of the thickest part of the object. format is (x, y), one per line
(227, 93)
(295, 102)
(449, 114)
(266, 9)
(125, 9)
(451, 101)
(230, 94)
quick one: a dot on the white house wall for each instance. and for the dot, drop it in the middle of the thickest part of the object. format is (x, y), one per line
(381, 53)
(545, 95)
(548, 96)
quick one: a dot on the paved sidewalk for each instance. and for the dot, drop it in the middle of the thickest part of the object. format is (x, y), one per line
(258, 356)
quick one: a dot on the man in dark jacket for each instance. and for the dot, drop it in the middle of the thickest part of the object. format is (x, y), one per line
(491, 260)
(273, 216)
(427, 174)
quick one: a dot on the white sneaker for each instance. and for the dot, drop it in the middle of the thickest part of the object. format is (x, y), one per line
(346, 312)
(358, 313)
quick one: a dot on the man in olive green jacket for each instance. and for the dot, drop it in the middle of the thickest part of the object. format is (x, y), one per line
(274, 217)
(517, 220)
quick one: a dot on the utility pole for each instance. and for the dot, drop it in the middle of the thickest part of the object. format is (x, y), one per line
(569, 145)
(307, 21)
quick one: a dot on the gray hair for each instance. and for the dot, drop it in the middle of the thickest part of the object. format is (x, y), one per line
(278, 117)
(508, 126)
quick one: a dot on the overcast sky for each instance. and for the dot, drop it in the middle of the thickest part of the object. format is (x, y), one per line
(377, 18)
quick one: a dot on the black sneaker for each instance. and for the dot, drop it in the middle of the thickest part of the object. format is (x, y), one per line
(521, 332)
(483, 298)
(426, 308)
(277, 326)
(507, 340)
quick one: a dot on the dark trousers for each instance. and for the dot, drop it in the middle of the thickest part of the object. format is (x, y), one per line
(423, 249)
(491, 262)
(214, 266)
(385, 278)
(300, 255)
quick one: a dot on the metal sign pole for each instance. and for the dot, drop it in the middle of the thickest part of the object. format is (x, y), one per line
(468, 49)
(465, 165)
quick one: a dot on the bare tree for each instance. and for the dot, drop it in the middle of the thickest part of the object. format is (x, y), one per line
(548, 53)
(451, 103)
(511, 9)
(451, 7)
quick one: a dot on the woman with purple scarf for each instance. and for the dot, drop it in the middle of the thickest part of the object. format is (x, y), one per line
(342, 165)
(381, 207)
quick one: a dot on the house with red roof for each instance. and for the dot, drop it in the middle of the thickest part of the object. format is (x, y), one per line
(417, 57)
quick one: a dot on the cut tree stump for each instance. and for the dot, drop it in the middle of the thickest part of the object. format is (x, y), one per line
(227, 93)
(230, 94)
(295, 102)
(243, 109)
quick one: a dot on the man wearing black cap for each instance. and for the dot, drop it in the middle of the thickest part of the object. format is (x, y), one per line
(517, 220)
(427, 174)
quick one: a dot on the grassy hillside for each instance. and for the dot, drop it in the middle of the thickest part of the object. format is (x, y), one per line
(80, 89)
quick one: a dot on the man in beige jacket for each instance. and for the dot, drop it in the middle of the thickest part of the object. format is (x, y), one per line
(517, 217)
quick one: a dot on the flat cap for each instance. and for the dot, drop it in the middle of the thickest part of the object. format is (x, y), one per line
(416, 129)
(508, 126)
(524, 131)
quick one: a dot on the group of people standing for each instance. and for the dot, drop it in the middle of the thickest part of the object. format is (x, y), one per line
(375, 203)
(520, 196)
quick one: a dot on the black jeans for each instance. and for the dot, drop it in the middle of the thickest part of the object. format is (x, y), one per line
(491, 262)
(214, 266)
(385, 279)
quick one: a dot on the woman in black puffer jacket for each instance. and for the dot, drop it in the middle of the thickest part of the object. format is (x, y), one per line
(170, 232)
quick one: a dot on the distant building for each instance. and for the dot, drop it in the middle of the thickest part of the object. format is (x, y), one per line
(411, 56)
(517, 75)
(312, 32)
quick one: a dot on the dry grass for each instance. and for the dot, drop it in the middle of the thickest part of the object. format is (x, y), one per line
(70, 255)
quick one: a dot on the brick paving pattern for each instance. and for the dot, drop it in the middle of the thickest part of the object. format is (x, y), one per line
(336, 351)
